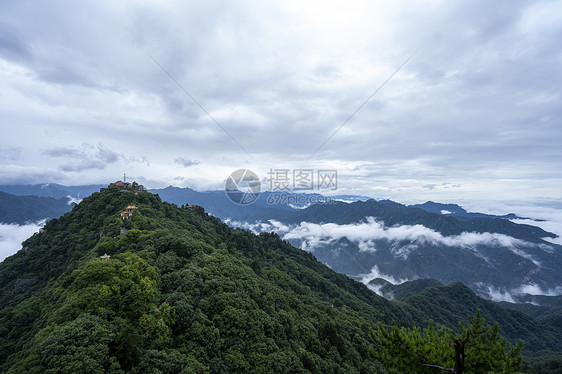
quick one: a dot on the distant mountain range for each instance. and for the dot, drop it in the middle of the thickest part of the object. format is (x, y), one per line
(57, 191)
(30, 209)
(363, 239)
(396, 214)
(215, 202)
(457, 211)
(493, 256)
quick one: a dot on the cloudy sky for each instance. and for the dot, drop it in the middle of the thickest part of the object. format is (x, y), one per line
(186, 92)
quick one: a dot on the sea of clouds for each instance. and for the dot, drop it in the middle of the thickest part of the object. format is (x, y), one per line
(11, 237)
(366, 233)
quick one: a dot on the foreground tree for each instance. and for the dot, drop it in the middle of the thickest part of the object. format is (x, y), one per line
(476, 349)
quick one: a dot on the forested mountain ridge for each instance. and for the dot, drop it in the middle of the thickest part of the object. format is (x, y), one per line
(183, 292)
(30, 209)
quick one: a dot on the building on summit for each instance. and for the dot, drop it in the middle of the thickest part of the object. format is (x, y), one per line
(128, 213)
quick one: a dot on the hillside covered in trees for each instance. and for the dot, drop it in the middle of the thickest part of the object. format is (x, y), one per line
(181, 292)
(29, 209)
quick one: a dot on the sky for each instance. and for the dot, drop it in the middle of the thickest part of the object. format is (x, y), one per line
(448, 101)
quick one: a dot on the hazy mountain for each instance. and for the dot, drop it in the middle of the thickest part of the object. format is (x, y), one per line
(218, 204)
(395, 214)
(267, 205)
(457, 211)
(51, 190)
(215, 202)
(25, 209)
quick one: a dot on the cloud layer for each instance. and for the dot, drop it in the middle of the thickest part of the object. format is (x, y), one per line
(402, 241)
(515, 295)
(84, 158)
(11, 237)
(408, 237)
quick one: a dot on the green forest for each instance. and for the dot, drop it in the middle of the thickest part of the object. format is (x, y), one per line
(26, 209)
(181, 292)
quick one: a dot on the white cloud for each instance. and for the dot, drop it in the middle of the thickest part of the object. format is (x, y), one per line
(376, 273)
(84, 158)
(405, 238)
(294, 206)
(367, 246)
(11, 237)
(185, 162)
(258, 227)
(543, 213)
(498, 294)
(10, 153)
(73, 200)
(534, 289)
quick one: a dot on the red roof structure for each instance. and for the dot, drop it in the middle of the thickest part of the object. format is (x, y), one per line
(121, 184)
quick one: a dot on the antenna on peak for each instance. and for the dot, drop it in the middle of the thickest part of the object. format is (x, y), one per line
(124, 177)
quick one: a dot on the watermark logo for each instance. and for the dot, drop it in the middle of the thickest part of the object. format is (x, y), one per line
(286, 186)
(243, 187)
(303, 179)
(298, 200)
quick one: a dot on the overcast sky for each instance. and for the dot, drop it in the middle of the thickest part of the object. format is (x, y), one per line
(90, 90)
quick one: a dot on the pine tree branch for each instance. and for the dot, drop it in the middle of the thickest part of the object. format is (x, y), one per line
(437, 367)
